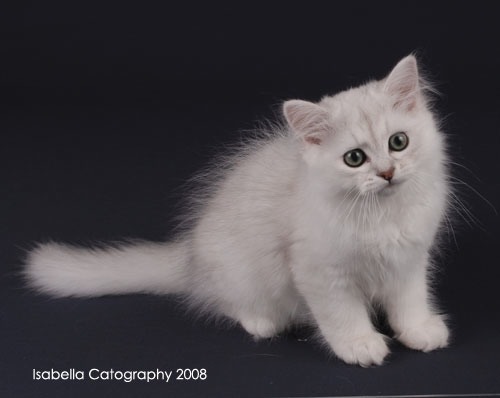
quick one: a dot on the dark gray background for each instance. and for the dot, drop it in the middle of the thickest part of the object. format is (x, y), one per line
(107, 109)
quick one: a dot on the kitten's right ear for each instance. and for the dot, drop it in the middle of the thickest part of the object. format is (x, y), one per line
(309, 121)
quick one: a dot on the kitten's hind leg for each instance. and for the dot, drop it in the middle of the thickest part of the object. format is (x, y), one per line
(272, 317)
(260, 327)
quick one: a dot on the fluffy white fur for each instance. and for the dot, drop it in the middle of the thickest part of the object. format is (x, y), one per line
(289, 233)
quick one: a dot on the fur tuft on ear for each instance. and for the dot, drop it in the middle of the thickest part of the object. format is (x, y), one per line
(403, 83)
(309, 121)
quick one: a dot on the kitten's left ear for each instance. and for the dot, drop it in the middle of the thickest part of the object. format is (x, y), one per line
(402, 84)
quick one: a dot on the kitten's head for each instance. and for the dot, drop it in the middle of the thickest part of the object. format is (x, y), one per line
(371, 139)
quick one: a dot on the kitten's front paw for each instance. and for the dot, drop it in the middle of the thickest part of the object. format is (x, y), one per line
(366, 350)
(428, 336)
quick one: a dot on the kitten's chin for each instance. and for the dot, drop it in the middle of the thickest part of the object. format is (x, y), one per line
(390, 188)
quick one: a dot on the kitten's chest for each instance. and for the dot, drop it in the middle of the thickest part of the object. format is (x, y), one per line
(387, 234)
(387, 238)
(378, 254)
(399, 232)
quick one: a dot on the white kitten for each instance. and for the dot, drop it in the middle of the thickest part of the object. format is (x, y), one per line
(317, 222)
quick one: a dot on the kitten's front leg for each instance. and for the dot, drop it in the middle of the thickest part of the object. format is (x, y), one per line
(410, 313)
(342, 316)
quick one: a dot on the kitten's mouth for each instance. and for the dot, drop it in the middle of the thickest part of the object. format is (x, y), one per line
(390, 187)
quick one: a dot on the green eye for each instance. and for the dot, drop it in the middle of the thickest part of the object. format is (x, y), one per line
(354, 158)
(398, 141)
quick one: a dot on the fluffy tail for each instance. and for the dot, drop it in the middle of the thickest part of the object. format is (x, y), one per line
(143, 267)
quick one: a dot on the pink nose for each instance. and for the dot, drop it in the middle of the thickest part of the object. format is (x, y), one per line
(387, 174)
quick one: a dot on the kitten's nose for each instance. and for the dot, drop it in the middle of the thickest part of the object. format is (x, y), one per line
(387, 174)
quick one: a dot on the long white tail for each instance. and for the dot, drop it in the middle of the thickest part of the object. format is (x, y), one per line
(141, 267)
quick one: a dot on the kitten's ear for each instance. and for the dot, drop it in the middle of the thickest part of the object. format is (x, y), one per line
(403, 83)
(309, 121)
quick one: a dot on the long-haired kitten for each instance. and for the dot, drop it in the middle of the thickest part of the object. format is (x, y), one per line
(319, 221)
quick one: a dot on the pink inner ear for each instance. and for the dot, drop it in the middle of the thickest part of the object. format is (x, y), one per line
(403, 85)
(408, 103)
(313, 140)
(308, 120)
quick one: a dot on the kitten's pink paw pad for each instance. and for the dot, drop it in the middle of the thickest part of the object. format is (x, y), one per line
(366, 350)
(429, 335)
(260, 328)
